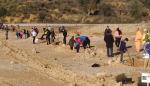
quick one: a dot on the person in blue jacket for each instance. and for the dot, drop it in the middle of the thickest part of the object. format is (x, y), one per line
(122, 48)
(85, 41)
(148, 47)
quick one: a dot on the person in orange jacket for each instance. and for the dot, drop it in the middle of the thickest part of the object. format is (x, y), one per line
(138, 40)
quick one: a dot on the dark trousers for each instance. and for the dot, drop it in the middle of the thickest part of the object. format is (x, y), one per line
(117, 41)
(78, 48)
(43, 36)
(34, 39)
(64, 40)
(6, 36)
(85, 43)
(71, 47)
(48, 40)
(110, 52)
(121, 56)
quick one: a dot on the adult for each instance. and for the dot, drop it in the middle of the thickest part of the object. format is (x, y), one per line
(44, 33)
(106, 30)
(71, 42)
(77, 44)
(118, 36)
(6, 34)
(122, 49)
(53, 35)
(34, 34)
(28, 33)
(25, 33)
(145, 38)
(48, 36)
(85, 41)
(138, 40)
(61, 29)
(65, 36)
(109, 40)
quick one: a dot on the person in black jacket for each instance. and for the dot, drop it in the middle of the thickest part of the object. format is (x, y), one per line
(48, 37)
(65, 36)
(109, 40)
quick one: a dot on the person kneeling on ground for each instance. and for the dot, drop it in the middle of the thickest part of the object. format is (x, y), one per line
(71, 42)
(122, 48)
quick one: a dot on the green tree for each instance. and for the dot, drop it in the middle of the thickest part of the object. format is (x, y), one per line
(3, 11)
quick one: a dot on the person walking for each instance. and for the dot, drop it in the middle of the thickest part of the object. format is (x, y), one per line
(109, 40)
(48, 34)
(118, 36)
(122, 49)
(34, 34)
(65, 36)
(138, 40)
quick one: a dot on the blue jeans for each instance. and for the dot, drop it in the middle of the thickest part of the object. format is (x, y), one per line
(110, 52)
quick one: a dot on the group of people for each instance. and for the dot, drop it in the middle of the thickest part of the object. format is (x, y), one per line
(120, 43)
(22, 33)
(142, 39)
(76, 41)
(141, 42)
(49, 34)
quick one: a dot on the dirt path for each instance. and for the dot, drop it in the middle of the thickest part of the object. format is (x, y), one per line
(69, 61)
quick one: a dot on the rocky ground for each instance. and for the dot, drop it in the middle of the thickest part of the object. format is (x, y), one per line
(25, 64)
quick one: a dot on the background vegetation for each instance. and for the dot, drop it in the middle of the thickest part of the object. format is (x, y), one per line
(74, 11)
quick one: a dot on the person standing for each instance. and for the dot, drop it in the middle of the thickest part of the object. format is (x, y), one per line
(53, 35)
(122, 49)
(109, 40)
(107, 29)
(6, 34)
(28, 33)
(71, 42)
(48, 34)
(65, 36)
(118, 36)
(138, 40)
(34, 34)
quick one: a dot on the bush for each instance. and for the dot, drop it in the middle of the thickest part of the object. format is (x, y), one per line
(107, 10)
(3, 11)
(135, 8)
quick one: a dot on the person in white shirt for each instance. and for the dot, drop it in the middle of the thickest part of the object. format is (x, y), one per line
(34, 34)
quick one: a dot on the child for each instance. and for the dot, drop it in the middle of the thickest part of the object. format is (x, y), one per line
(122, 48)
(71, 42)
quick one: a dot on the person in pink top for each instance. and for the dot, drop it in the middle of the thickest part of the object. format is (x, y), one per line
(118, 36)
(77, 43)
